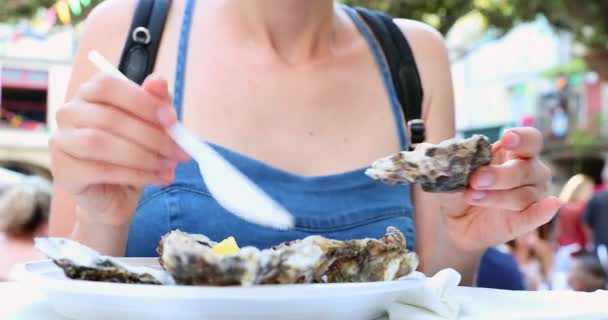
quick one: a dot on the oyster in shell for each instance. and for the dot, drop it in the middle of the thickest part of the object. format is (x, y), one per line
(444, 167)
(314, 259)
(366, 260)
(83, 263)
(190, 260)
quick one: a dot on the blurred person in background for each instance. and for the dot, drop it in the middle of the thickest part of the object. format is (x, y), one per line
(526, 263)
(573, 235)
(9, 178)
(498, 269)
(587, 274)
(534, 252)
(24, 211)
(596, 214)
(575, 195)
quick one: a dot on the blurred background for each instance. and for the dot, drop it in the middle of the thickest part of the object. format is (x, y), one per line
(541, 63)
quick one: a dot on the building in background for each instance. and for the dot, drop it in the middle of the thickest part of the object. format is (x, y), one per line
(496, 82)
(34, 73)
(529, 78)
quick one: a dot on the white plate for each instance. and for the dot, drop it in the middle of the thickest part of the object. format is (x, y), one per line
(77, 299)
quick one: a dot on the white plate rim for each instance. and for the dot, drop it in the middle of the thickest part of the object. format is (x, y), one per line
(20, 273)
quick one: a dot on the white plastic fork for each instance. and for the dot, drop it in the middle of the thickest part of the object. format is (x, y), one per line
(228, 186)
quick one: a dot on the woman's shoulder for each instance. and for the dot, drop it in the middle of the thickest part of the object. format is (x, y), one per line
(105, 31)
(432, 59)
(107, 24)
(426, 42)
(421, 34)
(111, 14)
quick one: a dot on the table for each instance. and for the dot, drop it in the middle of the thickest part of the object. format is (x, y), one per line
(19, 303)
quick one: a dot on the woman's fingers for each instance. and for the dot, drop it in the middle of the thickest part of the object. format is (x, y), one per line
(531, 218)
(97, 145)
(128, 97)
(514, 200)
(121, 124)
(76, 175)
(157, 86)
(524, 142)
(511, 174)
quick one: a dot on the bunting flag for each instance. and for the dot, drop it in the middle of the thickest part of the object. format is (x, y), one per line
(44, 20)
(67, 8)
(63, 11)
(75, 7)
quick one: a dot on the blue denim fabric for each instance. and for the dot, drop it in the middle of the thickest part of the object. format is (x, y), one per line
(342, 206)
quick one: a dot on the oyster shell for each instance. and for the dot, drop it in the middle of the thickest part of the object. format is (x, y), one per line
(190, 260)
(444, 167)
(366, 259)
(314, 259)
(83, 263)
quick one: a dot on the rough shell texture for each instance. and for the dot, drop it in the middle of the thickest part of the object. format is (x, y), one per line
(105, 271)
(83, 263)
(311, 260)
(444, 167)
(190, 260)
(368, 259)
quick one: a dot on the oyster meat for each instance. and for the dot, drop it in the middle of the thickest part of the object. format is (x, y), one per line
(444, 167)
(314, 259)
(83, 263)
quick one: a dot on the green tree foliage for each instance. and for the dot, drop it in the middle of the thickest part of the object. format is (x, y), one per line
(13, 10)
(441, 14)
(586, 19)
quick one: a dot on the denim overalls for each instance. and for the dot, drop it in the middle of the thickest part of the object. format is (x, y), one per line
(342, 206)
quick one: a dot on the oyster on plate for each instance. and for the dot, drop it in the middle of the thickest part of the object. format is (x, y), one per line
(444, 167)
(314, 259)
(83, 263)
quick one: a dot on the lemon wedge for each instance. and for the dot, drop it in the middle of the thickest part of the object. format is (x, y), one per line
(226, 247)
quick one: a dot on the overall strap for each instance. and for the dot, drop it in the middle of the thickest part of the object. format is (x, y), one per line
(182, 58)
(143, 40)
(404, 72)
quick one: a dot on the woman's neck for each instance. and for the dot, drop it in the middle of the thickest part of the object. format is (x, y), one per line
(294, 30)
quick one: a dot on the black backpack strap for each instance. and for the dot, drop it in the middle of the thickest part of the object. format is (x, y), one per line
(139, 54)
(404, 71)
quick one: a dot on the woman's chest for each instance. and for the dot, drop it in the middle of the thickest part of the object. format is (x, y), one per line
(312, 104)
(338, 111)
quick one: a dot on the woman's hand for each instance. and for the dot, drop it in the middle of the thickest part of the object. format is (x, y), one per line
(506, 199)
(110, 142)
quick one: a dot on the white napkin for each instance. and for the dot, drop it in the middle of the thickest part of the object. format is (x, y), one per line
(432, 300)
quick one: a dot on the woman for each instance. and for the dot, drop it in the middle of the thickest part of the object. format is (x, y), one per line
(290, 92)
(534, 253)
(24, 211)
(587, 274)
(573, 236)
(575, 194)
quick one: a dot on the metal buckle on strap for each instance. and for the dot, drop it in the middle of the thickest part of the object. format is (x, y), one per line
(416, 132)
(142, 35)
